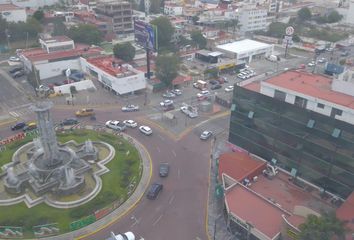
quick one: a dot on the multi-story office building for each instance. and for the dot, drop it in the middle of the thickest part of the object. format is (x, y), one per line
(252, 18)
(117, 14)
(302, 122)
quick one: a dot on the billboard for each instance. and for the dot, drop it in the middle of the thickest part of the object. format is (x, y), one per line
(145, 34)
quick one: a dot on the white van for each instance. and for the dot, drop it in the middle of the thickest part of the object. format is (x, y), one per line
(272, 58)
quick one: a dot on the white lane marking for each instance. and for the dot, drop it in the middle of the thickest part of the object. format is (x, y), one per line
(174, 153)
(171, 199)
(162, 138)
(14, 114)
(157, 220)
(158, 149)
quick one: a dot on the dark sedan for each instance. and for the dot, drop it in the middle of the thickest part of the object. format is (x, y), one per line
(69, 121)
(164, 169)
(18, 126)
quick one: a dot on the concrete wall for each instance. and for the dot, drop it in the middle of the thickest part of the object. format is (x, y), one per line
(82, 85)
(52, 69)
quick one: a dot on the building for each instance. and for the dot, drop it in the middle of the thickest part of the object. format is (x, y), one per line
(171, 8)
(252, 18)
(263, 202)
(300, 121)
(12, 13)
(117, 14)
(113, 74)
(55, 55)
(246, 50)
(34, 4)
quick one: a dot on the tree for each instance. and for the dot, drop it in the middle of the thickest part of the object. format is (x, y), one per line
(85, 33)
(183, 41)
(198, 39)
(59, 28)
(304, 14)
(195, 19)
(276, 29)
(167, 66)
(325, 227)
(234, 23)
(124, 51)
(165, 31)
(3, 27)
(38, 15)
(334, 16)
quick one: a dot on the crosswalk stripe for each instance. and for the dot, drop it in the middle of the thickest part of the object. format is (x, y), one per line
(14, 114)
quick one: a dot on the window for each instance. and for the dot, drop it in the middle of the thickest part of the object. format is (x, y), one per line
(279, 95)
(300, 102)
(336, 111)
(320, 105)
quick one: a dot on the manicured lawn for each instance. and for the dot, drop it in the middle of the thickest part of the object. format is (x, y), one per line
(124, 168)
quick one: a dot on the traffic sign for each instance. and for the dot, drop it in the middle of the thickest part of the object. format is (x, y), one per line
(288, 38)
(289, 30)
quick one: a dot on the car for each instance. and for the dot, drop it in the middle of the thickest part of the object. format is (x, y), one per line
(16, 69)
(322, 60)
(145, 130)
(18, 126)
(115, 125)
(18, 74)
(302, 66)
(189, 111)
(214, 87)
(122, 236)
(205, 135)
(130, 123)
(329, 49)
(130, 108)
(164, 169)
(168, 107)
(85, 112)
(229, 88)
(169, 95)
(344, 54)
(203, 93)
(177, 92)
(69, 121)
(30, 126)
(14, 59)
(154, 190)
(311, 64)
(166, 103)
(213, 82)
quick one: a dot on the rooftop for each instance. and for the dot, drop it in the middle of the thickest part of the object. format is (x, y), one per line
(309, 84)
(8, 7)
(243, 46)
(346, 213)
(111, 65)
(39, 54)
(56, 39)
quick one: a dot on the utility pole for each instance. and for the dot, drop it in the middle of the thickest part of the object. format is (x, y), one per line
(288, 39)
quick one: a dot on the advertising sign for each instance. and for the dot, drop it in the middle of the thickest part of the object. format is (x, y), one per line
(46, 230)
(145, 34)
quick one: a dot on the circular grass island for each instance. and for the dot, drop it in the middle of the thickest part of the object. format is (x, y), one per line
(125, 171)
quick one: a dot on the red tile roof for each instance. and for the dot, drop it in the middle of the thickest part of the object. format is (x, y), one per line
(38, 54)
(105, 63)
(263, 215)
(8, 7)
(346, 213)
(312, 85)
(239, 165)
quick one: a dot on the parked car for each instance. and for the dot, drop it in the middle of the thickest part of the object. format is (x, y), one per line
(130, 123)
(164, 169)
(177, 92)
(122, 236)
(18, 74)
(130, 108)
(16, 69)
(166, 103)
(30, 126)
(229, 88)
(213, 82)
(203, 93)
(206, 135)
(18, 126)
(168, 107)
(85, 112)
(145, 130)
(302, 66)
(14, 59)
(189, 111)
(115, 125)
(311, 64)
(154, 190)
(344, 54)
(322, 60)
(169, 95)
(69, 121)
(216, 86)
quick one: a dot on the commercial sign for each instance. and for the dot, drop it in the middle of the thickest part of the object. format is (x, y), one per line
(145, 34)
(46, 230)
(289, 30)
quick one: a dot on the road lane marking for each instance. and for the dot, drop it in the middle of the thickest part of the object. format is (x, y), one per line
(162, 138)
(174, 153)
(157, 220)
(158, 149)
(171, 199)
(14, 114)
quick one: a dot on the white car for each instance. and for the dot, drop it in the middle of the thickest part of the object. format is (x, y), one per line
(122, 236)
(206, 135)
(229, 88)
(203, 93)
(146, 130)
(311, 64)
(130, 123)
(130, 108)
(115, 125)
(322, 60)
(14, 59)
(166, 102)
(177, 92)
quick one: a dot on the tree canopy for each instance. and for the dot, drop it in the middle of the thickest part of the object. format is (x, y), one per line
(85, 33)
(167, 66)
(334, 16)
(124, 51)
(198, 39)
(304, 14)
(38, 15)
(165, 31)
(325, 227)
(276, 29)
